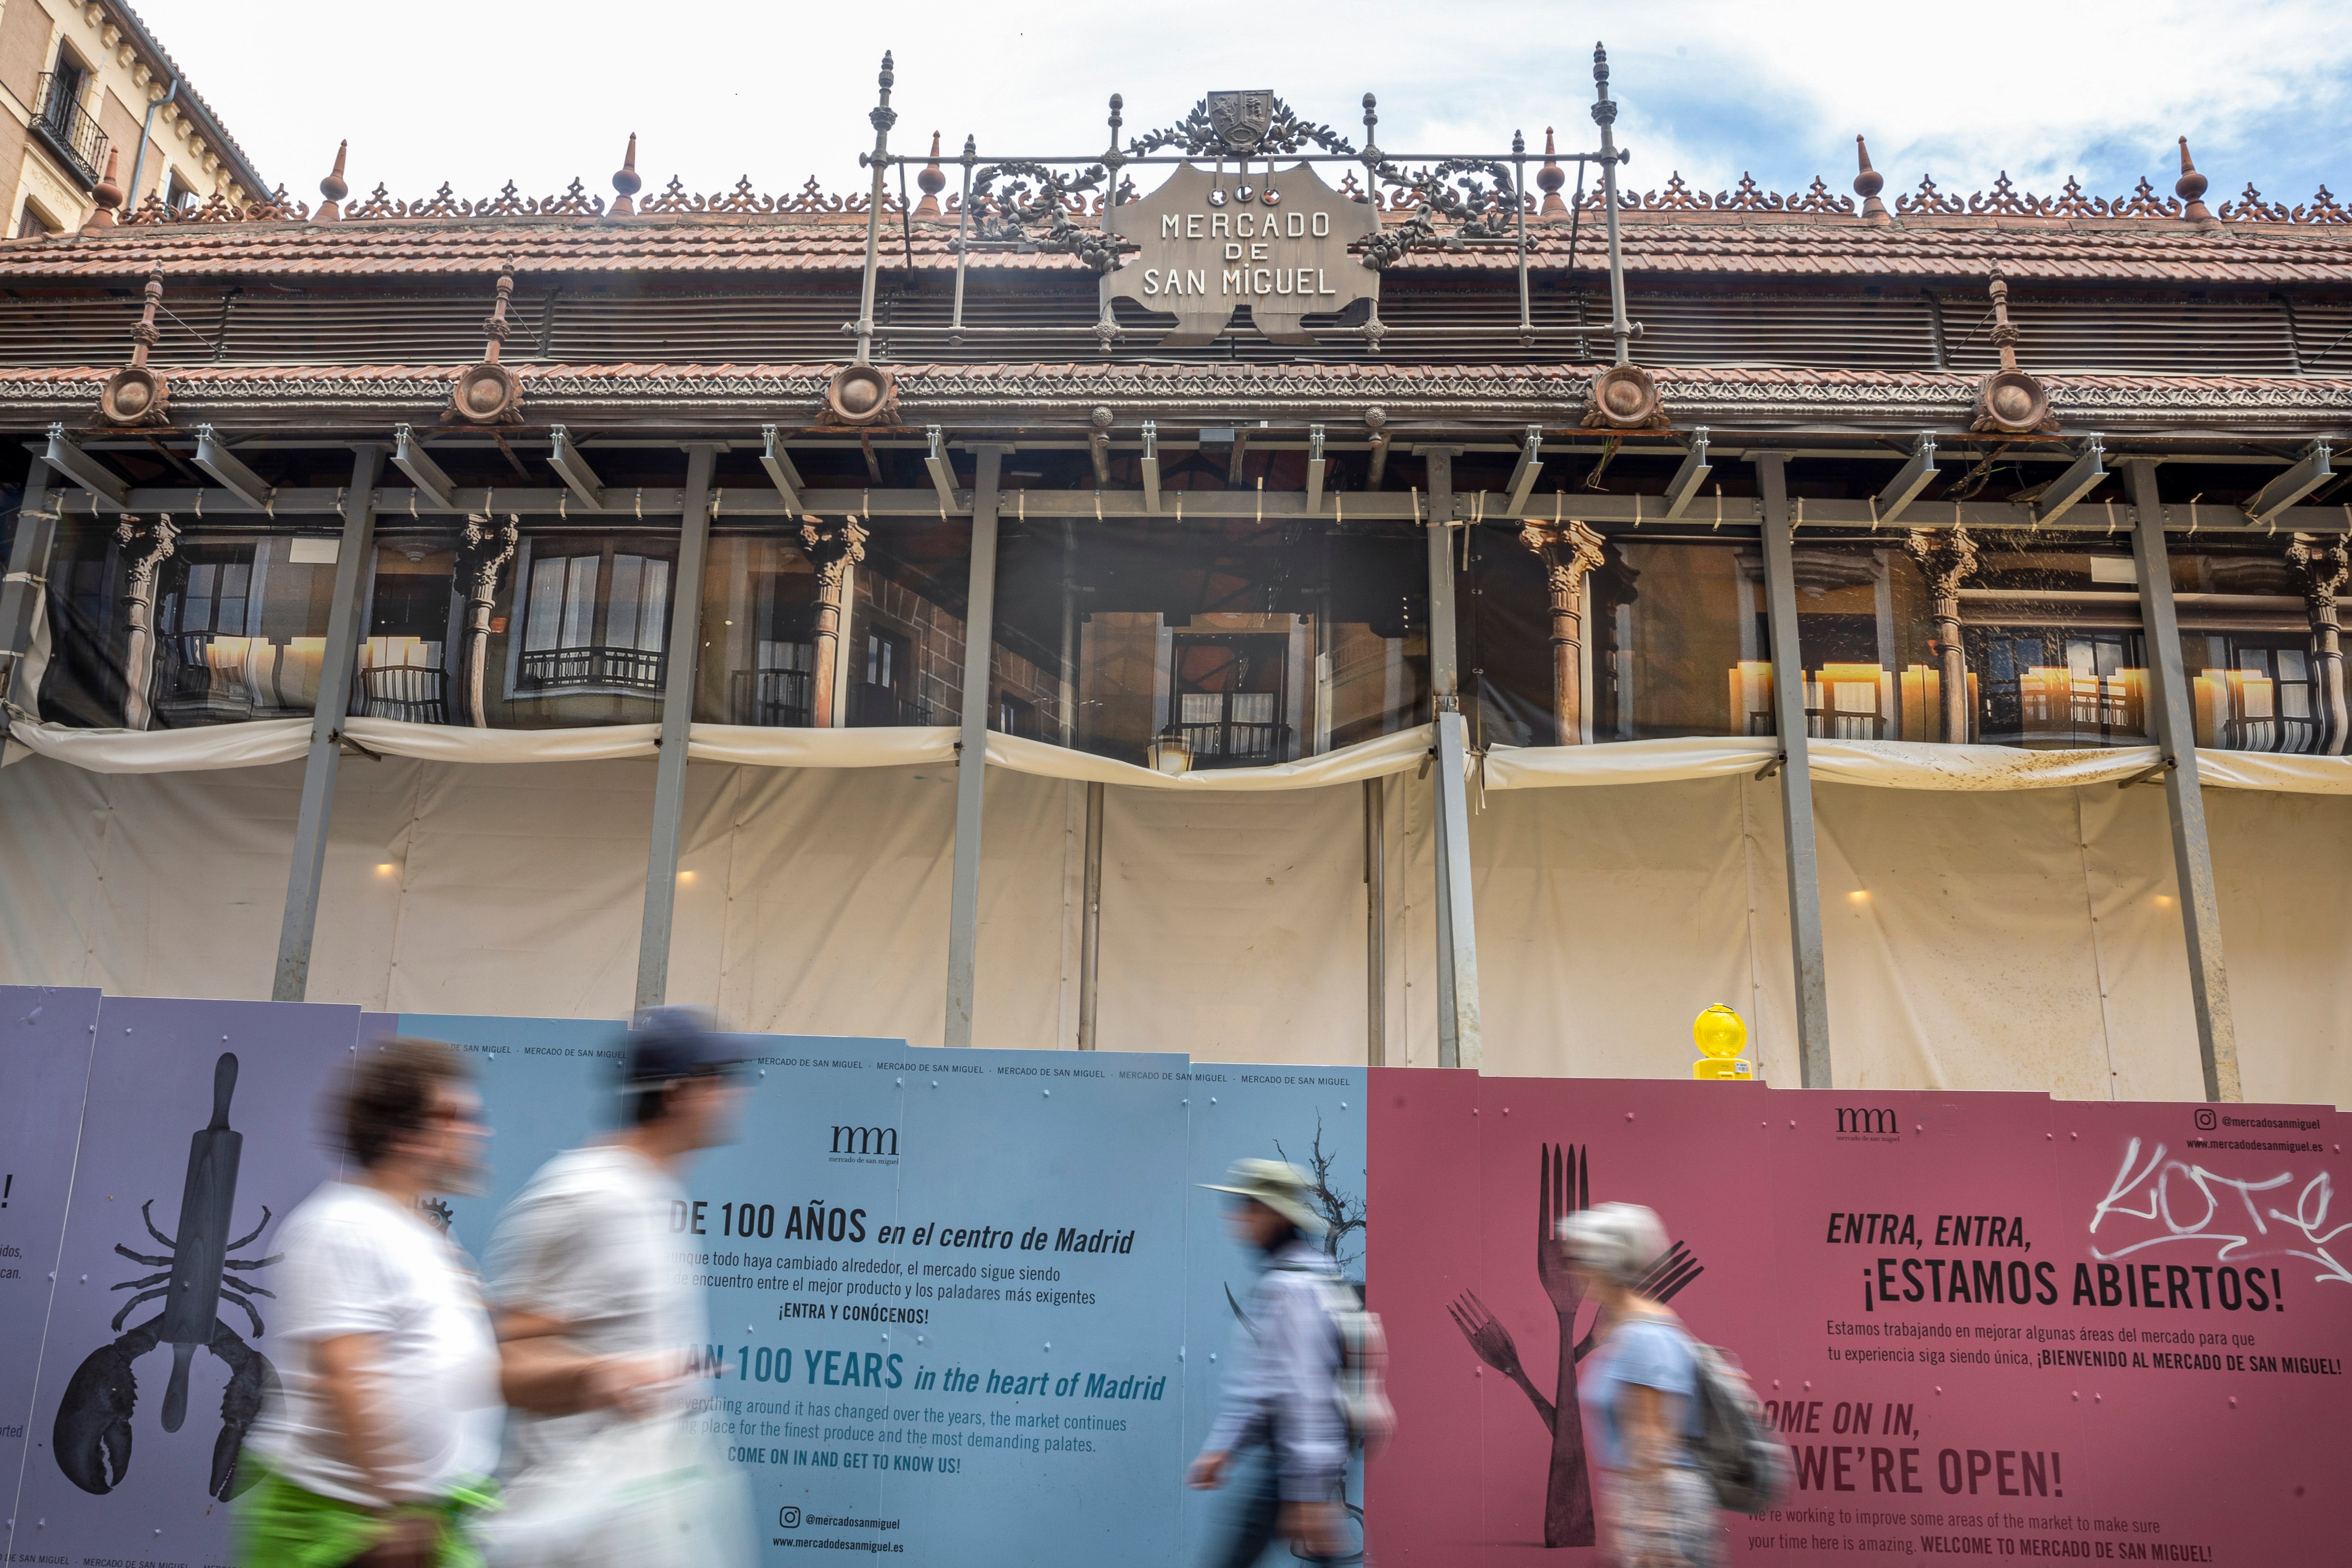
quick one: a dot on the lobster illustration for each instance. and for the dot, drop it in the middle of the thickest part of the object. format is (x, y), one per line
(92, 1436)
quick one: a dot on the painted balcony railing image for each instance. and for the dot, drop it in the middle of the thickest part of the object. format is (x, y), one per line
(562, 668)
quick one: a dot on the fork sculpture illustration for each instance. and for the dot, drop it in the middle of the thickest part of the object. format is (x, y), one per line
(1563, 1187)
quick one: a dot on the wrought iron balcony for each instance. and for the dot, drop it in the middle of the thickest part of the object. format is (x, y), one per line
(563, 669)
(69, 134)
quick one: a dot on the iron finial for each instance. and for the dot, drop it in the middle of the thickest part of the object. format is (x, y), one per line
(882, 116)
(1549, 179)
(333, 188)
(1605, 111)
(2190, 186)
(971, 147)
(1868, 183)
(626, 180)
(1371, 123)
(932, 181)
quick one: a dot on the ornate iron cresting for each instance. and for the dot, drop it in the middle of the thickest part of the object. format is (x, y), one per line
(1039, 204)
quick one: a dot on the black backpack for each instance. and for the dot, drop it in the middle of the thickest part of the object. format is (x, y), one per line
(1746, 1465)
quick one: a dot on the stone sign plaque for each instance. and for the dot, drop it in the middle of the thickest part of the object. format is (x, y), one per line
(1274, 239)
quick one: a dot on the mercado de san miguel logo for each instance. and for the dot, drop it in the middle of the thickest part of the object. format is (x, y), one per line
(1214, 239)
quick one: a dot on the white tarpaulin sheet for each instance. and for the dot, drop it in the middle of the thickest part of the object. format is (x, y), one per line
(1887, 765)
(2024, 939)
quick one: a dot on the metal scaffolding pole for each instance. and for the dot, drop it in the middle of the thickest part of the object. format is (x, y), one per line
(1796, 777)
(677, 719)
(971, 753)
(22, 601)
(1458, 1041)
(2175, 722)
(1376, 925)
(345, 620)
(1090, 924)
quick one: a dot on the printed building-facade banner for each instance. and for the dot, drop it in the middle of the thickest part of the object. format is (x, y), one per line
(975, 1306)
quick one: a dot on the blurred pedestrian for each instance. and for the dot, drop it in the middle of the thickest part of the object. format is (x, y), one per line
(1639, 1390)
(602, 1329)
(1282, 1432)
(384, 1426)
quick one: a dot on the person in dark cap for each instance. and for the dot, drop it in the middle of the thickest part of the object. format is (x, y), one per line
(600, 1329)
(1282, 1391)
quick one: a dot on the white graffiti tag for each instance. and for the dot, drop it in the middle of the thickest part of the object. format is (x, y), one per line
(2221, 1198)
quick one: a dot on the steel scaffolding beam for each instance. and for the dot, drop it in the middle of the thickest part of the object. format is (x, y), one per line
(971, 753)
(1459, 1044)
(2175, 722)
(677, 717)
(1811, 970)
(346, 616)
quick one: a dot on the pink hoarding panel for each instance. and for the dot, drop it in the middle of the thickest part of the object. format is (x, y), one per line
(1987, 1325)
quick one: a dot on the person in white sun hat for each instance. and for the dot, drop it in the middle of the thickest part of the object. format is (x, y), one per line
(1282, 1389)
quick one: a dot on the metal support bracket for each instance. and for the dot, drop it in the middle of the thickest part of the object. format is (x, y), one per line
(942, 471)
(1524, 475)
(1151, 466)
(1315, 467)
(1909, 479)
(2073, 484)
(84, 470)
(2153, 774)
(1097, 448)
(2291, 486)
(213, 458)
(1687, 479)
(563, 457)
(779, 463)
(422, 472)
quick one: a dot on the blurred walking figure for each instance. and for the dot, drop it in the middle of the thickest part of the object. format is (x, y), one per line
(1284, 1425)
(601, 1332)
(1641, 1392)
(386, 1426)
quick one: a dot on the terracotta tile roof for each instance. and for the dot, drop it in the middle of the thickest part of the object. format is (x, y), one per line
(2157, 252)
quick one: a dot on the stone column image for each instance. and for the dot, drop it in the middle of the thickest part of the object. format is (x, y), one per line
(1946, 557)
(483, 551)
(1569, 551)
(145, 547)
(833, 548)
(2320, 567)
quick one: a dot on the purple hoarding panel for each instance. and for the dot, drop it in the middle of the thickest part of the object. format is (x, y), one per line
(44, 1034)
(201, 1131)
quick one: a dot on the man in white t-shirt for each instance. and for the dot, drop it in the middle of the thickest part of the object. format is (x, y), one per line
(386, 1422)
(602, 1331)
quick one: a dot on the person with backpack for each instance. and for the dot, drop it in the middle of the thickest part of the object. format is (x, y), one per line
(1283, 1432)
(1646, 1393)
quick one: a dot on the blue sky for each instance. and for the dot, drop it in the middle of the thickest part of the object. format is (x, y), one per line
(537, 92)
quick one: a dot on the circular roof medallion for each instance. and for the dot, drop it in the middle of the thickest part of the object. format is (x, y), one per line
(486, 393)
(1625, 397)
(2012, 402)
(133, 395)
(859, 394)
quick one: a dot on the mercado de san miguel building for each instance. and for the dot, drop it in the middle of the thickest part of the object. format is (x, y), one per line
(1243, 591)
